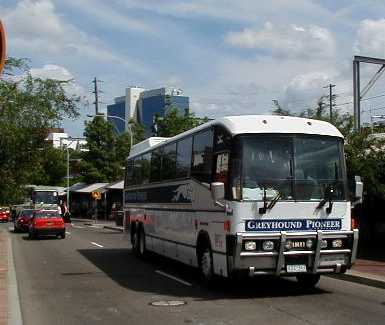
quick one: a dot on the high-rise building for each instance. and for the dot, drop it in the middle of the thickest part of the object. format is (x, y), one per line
(157, 102)
(124, 109)
(143, 105)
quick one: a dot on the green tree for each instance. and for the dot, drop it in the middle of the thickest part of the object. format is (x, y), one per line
(50, 167)
(28, 108)
(174, 123)
(100, 163)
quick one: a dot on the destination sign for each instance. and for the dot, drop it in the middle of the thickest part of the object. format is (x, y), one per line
(293, 224)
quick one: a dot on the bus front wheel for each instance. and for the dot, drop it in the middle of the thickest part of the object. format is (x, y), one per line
(206, 265)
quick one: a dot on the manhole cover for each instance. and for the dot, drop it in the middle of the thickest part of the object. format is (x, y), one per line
(168, 303)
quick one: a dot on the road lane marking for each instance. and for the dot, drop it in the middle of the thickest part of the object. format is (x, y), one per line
(173, 278)
(80, 227)
(96, 244)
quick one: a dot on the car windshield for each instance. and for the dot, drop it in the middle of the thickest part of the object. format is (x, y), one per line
(27, 213)
(295, 167)
(47, 214)
(47, 197)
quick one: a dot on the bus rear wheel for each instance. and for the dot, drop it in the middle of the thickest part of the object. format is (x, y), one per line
(141, 242)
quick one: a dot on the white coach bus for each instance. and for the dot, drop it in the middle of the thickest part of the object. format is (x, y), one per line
(248, 194)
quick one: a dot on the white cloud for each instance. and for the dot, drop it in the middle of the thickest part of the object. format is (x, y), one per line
(106, 15)
(288, 41)
(35, 27)
(53, 71)
(371, 38)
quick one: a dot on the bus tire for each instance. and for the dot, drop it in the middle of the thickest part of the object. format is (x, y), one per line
(135, 241)
(206, 265)
(141, 242)
(308, 281)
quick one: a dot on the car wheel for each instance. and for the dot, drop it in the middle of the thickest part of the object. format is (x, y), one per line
(63, 235)
(308, 281)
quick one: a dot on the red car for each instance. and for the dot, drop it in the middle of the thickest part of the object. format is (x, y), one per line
(4, 214)
(46, 222)
(21, 223)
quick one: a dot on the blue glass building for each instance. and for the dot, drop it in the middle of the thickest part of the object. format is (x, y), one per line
(115, 110)
(157, 102)
(143, 106)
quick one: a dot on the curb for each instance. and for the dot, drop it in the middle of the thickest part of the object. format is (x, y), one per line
(361, 278)
(117, 228)
(14, 311)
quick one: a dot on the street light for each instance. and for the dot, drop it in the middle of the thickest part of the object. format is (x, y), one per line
(119, 118)
(68, 166)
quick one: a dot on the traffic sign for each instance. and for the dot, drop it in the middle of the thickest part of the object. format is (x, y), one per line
(3, 46)
(96, 195)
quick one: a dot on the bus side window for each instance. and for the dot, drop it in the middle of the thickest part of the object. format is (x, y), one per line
(155, 165)
(137, 171)
(222, 168)
(183, 160)
(129, 173)
(145, 168)
(169, 162)
(203, 156)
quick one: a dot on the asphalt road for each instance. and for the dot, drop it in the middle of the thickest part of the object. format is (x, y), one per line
(91, 278)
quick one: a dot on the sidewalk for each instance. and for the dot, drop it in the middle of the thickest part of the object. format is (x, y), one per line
(367, 272)
(107, 224)
(3, 278)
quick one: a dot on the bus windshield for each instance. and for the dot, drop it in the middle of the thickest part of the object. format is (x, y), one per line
(46, 197)
(292, 167)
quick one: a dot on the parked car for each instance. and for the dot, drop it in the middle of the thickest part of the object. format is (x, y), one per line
(46, 222)
(5, 214)
(21, 222)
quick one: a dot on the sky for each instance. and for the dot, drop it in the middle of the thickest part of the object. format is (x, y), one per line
(229, 57)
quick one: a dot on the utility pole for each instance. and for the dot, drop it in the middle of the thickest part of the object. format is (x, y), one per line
(330, 86)
(96, 92)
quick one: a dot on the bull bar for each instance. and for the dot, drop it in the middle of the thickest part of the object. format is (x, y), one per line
(280, 254)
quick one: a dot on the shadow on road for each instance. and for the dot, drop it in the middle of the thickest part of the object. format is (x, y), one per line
(139, 275)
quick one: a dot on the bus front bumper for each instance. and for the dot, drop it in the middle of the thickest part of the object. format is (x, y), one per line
(286, 262)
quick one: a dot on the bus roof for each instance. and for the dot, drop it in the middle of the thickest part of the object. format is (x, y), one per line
(249, 124)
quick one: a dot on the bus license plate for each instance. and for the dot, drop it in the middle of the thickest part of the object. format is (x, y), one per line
(296, 268)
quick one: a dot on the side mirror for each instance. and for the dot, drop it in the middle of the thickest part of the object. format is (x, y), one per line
(358, 189)
(218, 192)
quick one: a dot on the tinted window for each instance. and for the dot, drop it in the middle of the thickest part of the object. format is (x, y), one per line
(202, 156)
(47, 214)
(129, 173)
(169, 162)
(183, 160)
(145, 168)
(137, 170)
(155, 165)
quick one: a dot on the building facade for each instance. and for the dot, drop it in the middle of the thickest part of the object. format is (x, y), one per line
(142, 106)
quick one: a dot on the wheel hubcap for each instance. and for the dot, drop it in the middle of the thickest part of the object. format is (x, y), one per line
(206, 264)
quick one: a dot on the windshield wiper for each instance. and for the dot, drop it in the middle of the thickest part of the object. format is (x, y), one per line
(328, 196)
(272, 203)
(274, 200)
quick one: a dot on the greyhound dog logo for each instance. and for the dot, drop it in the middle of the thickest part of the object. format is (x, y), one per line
(183, 193)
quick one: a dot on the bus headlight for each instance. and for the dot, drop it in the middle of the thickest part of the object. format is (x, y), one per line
(324, 243)
(289, 244)
(268, 245)
(337, 243)
(309, 243)
(250, 245)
